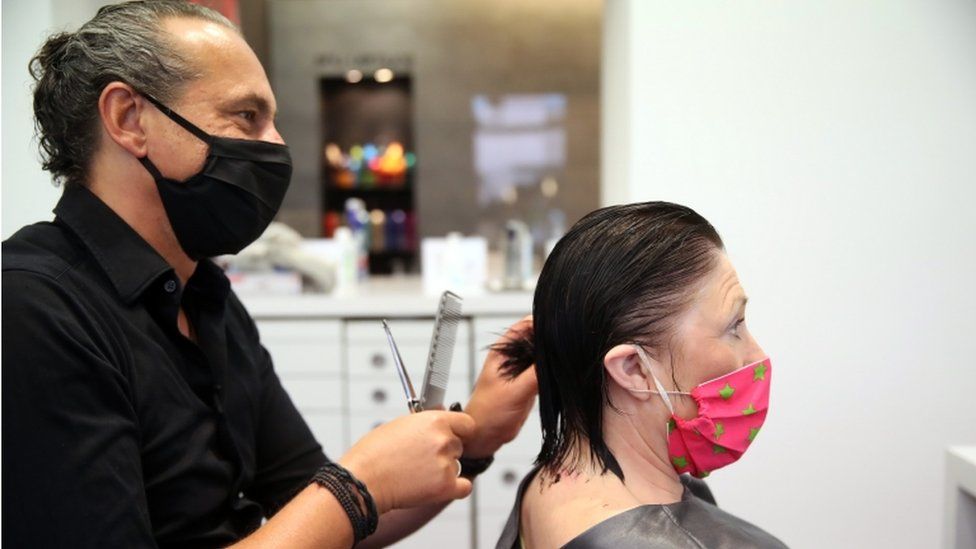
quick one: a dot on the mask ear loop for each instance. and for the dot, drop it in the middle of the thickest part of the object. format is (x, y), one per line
(186, 124)
(645, 361)
(151, 168)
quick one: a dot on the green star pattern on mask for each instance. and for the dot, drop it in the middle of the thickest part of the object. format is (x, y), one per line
(716, 449)
(752, 433)
(679, 461)
(726, 392)
(759, 374)
(749, 411)
(719, 430)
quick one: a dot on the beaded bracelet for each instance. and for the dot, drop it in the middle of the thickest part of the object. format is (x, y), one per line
(362, 514)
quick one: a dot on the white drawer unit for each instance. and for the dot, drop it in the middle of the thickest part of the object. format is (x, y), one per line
(314, 393)
(307, 346)
(374, 358)
(382, 394)
(451, 528)
(329, 431)
(332, 356)
(370, 361)
(307, 356)
(496, 487)
(495, 490)
(490, 526)
(359, 425)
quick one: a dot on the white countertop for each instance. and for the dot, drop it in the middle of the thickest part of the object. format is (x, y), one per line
(383, 297)
(962, 467)
(959, 521)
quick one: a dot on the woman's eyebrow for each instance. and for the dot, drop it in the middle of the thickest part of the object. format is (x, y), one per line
(740, 304)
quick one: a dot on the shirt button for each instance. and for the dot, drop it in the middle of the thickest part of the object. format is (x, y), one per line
(170, 286)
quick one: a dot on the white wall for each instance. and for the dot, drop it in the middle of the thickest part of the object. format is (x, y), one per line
(26, 191)
(833, 144)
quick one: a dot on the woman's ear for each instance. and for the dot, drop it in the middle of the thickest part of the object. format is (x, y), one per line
(623, 363)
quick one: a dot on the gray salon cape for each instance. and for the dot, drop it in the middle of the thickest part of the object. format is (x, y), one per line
(695, 522)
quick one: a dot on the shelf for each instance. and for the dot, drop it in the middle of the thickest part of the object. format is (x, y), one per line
(368, 191)
(393, 253)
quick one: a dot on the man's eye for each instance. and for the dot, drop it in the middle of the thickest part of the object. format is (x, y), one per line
(248, 115)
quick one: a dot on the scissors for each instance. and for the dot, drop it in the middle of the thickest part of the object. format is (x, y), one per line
(412, 401)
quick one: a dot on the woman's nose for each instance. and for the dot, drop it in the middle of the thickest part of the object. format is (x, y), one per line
(754, 353)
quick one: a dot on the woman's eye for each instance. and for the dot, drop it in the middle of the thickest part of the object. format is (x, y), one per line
(735, 327)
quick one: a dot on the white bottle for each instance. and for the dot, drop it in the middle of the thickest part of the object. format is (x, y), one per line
(348, 268)
(518, 255)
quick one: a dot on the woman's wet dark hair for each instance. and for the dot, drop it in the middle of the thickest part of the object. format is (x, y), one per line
(621, 275)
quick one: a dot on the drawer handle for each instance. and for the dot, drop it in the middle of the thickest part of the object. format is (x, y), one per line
(379, 396)
(509, 477)
(378, 360)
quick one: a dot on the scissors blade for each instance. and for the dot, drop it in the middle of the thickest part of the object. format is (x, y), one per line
(412, 402)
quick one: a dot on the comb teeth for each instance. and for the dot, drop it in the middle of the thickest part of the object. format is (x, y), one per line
(442, 348)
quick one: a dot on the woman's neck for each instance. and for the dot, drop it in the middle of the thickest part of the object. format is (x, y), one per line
(561, 504)
(640, 445)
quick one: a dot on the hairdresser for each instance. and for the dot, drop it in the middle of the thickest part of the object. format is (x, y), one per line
(139, 407)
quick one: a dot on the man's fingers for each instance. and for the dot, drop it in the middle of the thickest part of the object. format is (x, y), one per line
(521, 328)
(462, 488)
(461, 424)
(528, 381)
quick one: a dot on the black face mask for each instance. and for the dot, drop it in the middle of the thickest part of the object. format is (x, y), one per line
(232, 200)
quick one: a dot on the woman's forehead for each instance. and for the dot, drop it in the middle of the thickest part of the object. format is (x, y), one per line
(720, 289)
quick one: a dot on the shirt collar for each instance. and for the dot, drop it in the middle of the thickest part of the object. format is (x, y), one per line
(209, 282)
(130, 262)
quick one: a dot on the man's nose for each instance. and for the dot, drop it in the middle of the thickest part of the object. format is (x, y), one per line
(272, 136)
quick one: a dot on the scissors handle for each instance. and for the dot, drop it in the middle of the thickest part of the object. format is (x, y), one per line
(412, 401)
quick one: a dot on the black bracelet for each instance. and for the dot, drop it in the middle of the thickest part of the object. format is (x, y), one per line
(372, 515)
(342, 495)
(472, 467)
(345, 499)
(360, 509)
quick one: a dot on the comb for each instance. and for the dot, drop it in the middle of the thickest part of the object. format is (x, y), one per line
(441, 351)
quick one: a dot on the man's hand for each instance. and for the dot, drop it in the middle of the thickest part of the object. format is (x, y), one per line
(412, 460)
(499, 405)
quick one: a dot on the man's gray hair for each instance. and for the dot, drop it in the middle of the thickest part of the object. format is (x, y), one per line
(124, 42)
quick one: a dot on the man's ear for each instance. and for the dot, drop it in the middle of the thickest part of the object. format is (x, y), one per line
(624, 366)
(121, 110)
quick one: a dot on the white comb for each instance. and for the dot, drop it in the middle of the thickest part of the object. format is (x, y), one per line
(441, 351)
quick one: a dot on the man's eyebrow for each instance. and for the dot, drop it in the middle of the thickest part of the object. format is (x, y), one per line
(252, 100)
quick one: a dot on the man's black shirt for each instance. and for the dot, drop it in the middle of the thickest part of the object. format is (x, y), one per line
(117, 430)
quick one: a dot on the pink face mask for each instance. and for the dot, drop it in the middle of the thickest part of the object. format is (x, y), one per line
(731, 410)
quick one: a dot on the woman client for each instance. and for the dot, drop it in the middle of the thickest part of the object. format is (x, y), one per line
(648, 380)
